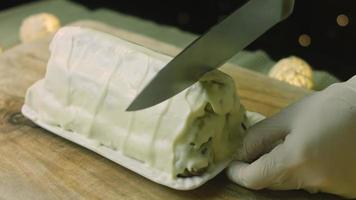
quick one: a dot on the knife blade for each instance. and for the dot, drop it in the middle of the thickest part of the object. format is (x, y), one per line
(213, 49)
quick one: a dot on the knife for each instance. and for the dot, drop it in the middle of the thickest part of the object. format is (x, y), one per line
(213, 49)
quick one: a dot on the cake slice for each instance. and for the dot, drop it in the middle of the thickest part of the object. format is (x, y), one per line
(92, 77)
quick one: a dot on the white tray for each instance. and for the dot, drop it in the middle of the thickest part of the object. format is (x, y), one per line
(133, 164)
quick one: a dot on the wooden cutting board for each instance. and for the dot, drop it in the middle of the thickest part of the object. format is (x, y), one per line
(35, 164)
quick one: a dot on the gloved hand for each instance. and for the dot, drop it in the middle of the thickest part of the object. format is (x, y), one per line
(309, 145)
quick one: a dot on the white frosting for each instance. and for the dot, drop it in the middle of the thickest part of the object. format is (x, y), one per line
(91, 79)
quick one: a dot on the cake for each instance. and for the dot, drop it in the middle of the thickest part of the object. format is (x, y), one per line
(91, 79)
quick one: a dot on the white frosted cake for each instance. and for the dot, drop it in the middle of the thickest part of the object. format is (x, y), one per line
(91, 79)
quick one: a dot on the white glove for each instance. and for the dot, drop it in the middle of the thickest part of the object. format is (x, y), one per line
(310, 145)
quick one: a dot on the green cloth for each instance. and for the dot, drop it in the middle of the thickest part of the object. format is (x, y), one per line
(67, 11)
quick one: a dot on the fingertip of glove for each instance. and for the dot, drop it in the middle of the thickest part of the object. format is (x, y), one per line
(234, 170)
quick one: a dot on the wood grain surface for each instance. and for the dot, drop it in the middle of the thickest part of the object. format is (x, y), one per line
(35, 164)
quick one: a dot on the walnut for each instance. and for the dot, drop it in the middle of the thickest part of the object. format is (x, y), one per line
(294, 71)
(38, 26)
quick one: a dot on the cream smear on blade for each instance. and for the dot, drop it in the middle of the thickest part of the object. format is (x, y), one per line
(92, 77)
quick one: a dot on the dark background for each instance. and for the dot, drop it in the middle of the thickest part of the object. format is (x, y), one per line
(332, 48)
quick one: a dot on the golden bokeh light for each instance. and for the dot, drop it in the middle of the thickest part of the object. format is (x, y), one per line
(304, 40)
(342, 20)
